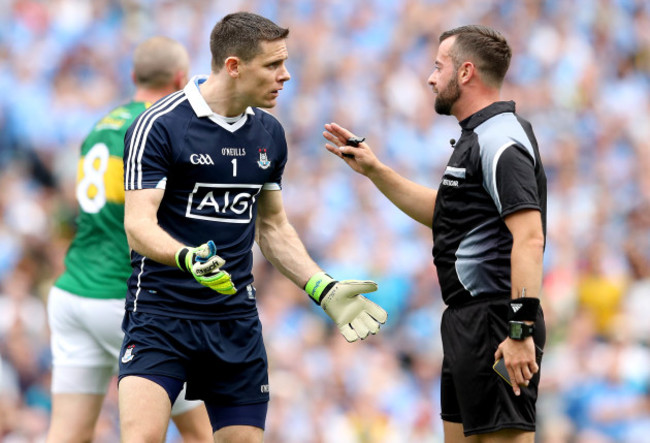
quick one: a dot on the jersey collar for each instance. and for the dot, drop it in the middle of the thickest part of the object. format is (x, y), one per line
(486, 113)
(202, 109)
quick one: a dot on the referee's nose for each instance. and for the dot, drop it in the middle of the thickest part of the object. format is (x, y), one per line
(433, 79)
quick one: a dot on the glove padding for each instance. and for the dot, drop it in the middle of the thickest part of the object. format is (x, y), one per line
(204, 264)
(354, 314)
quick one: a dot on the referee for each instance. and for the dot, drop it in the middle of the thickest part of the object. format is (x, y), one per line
(488, 218)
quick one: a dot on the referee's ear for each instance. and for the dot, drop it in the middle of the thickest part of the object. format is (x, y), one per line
(466, 72)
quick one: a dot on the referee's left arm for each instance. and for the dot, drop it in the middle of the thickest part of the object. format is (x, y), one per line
(527, 252)
(526, 274)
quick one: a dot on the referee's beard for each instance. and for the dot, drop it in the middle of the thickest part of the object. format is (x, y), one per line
(447, 97)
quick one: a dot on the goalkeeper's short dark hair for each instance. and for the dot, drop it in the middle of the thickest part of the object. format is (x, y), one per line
(239, 34)
(487, 48)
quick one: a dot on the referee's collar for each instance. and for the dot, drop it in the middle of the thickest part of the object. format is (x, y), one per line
(198, 103)
(486, 113)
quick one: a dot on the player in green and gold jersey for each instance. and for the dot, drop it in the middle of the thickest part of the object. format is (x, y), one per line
(86, 304)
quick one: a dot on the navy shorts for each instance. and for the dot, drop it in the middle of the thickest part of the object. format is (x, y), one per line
(223, 361)
(471, 392)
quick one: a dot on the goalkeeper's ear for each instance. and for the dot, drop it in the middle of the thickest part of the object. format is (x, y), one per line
(231, 65)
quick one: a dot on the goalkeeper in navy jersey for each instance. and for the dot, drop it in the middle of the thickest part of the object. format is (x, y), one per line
(203, 178)
(488, 218)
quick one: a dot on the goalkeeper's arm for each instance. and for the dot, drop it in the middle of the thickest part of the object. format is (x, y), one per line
(144, 234)
(146, 237)
(355, 315)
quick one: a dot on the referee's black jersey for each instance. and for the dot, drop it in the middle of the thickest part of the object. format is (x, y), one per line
(213, 172)
(494, 170)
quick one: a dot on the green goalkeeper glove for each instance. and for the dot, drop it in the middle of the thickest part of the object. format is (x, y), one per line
(354, 314)
(204, 264)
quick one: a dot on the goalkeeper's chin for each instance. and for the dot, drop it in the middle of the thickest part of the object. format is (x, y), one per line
(269, 101)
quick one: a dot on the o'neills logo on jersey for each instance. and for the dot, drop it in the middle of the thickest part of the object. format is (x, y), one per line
(227, 203)
(263, 162)
(233, 152)
(201, 159)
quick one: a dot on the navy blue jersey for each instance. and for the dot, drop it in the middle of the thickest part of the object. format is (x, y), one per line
(495, 170)
(212, 173)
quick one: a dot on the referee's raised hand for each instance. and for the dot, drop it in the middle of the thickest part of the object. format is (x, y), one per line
(351, 148)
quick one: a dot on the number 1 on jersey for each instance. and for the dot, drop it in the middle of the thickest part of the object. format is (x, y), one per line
(234, 167)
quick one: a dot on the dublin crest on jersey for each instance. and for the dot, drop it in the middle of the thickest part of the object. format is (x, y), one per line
(263, 162)
(128, 354)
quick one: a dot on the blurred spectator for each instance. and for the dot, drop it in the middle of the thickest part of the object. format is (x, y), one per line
(636, 305)
(599, 289)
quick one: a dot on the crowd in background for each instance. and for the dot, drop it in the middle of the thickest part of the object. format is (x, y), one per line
(580, 73)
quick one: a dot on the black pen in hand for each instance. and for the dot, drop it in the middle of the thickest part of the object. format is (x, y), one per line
(354, 142)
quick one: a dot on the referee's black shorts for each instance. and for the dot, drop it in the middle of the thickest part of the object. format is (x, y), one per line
(471, 392)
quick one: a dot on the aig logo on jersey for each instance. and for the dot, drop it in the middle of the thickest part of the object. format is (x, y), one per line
(201, 159)
(222, 202)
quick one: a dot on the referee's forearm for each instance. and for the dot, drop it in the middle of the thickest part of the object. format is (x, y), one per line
(413, 199)
(527, 268)
(527, 255)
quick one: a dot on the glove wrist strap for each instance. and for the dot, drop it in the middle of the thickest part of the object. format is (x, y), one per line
(523, 309)
(318, 285)
(181, 256)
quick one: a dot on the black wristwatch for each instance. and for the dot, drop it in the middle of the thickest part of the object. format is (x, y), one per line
(519, 330)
